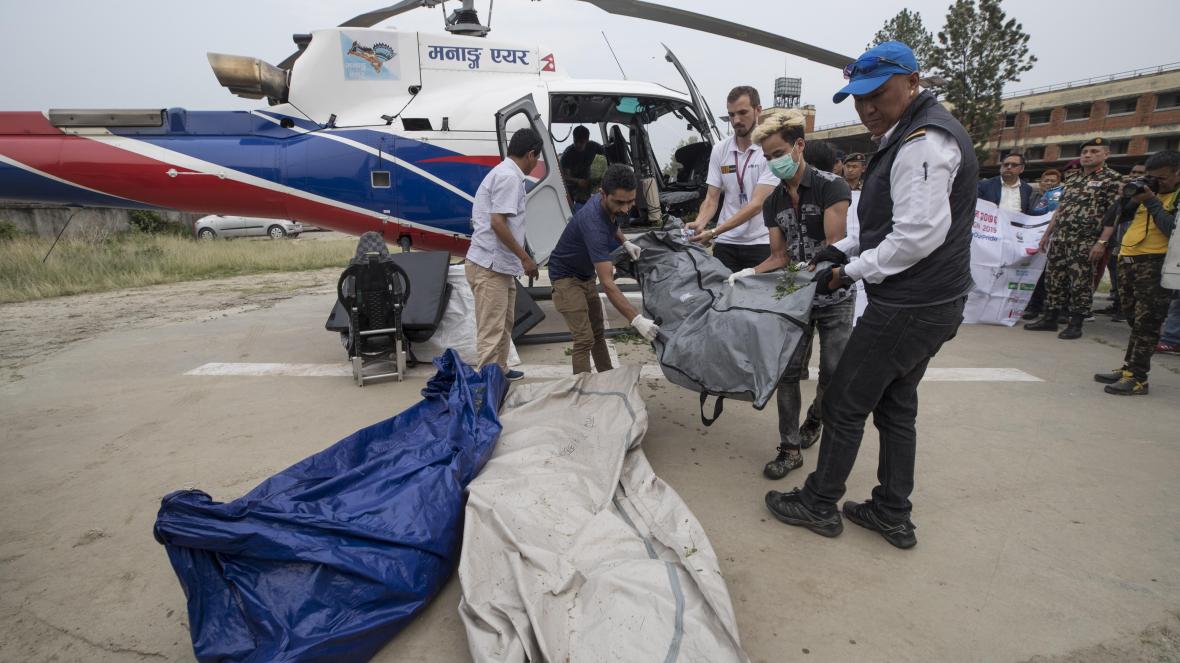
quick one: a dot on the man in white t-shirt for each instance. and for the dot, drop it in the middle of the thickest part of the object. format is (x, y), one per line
(737, 169)
(497, 255)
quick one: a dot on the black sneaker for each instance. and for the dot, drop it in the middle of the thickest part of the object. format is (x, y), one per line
(1113, 376)
(788, 459)
(1109, 310)
(899, 534)
(789, 508)
(514, 375)
(1118, 317)
(809, 432)
(1129, 385)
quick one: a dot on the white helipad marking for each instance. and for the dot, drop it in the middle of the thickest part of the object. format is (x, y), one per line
(555, 371)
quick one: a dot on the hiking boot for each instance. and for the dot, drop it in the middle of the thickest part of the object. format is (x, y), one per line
(1031, 314)
(1074, 329)
(1128, 385)
(1118, 317)
(1113, 376)
(809, 432)
(1063, 318)
(1167, 348)
(1048, 322)
(788, 459)
(789, 508)
(899, 534)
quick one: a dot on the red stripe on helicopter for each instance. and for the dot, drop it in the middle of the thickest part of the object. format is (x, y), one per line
(26, 122)
(118, 172)
(491, 161)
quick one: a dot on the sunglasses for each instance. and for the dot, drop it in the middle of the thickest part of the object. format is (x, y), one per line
(865, 66)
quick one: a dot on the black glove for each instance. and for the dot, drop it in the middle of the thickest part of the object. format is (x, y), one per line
(823, 279)
(830, 254)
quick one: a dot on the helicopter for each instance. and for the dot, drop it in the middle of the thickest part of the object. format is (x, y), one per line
(368, 129)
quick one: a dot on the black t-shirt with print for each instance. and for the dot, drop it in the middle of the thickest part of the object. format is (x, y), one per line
(803, 227)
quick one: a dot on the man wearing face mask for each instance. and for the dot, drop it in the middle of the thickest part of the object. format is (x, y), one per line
(806, 215)
(583, 253)
(737, 169)
(916, 209)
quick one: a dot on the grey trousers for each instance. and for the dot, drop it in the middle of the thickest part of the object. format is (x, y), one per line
(834, 324)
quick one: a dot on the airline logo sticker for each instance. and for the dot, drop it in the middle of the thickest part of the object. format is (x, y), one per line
(368, 62)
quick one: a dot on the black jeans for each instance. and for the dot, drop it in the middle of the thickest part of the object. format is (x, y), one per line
(879, 373)
(737, 257)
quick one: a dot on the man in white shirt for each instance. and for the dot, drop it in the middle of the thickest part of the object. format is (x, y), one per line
(497, 255)
(915, 211)
(738, 169)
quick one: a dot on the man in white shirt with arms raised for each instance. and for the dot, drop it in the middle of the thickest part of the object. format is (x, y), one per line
(738, 169)
(497, 255)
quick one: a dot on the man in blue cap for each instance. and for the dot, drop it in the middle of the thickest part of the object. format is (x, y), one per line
(916, 207)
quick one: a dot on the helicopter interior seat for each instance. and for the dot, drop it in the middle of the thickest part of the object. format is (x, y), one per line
(616, 148)
(684, 194)
(373, 291)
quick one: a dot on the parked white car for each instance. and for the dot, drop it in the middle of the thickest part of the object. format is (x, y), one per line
(218, 225)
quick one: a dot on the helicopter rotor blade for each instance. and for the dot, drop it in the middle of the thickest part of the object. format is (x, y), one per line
(685, 19)
(369, 19)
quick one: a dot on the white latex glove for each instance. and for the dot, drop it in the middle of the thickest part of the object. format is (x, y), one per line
(749, 271)
(632, 249)
(646, 328)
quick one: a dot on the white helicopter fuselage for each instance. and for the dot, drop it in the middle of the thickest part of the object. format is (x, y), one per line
(380, 130)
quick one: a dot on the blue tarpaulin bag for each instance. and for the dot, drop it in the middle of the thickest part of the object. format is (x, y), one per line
(330, 558)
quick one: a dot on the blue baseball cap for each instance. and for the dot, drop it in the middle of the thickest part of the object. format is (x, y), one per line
(872, 69)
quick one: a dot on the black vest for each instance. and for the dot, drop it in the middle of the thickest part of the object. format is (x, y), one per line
(945, 274)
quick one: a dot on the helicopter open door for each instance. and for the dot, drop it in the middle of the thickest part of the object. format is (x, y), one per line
(704, 115)
(547, 207)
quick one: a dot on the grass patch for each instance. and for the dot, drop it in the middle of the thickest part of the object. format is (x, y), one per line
(138, 259)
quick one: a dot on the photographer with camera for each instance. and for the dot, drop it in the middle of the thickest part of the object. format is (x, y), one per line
(1151, 206)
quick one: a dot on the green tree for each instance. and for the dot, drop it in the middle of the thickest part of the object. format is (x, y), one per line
(907, 28)
(978, 51)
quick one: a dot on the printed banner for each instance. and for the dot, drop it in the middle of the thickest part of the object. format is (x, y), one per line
(1005, 264)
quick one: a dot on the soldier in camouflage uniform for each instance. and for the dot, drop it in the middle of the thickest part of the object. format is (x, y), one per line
(1075, 226)
(1141, 261)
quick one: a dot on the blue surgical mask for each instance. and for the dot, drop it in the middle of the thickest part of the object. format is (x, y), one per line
(784, 167)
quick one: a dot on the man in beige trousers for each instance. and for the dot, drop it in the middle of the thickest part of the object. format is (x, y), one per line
(496, 255)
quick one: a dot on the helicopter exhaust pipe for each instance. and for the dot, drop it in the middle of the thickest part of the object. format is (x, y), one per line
(250, 78)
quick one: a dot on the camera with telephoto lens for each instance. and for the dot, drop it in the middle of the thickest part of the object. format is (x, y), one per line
(1141, 185)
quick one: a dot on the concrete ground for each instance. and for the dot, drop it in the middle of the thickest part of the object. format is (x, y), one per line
(1048, 511)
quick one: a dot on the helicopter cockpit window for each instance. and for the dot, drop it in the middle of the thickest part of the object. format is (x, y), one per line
(380, 179)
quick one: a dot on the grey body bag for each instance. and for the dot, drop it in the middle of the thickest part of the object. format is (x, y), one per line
(728, 341)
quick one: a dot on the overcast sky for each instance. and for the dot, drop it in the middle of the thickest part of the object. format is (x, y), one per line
(141, 53)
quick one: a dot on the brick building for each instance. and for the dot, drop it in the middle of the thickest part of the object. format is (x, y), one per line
(1137, 111)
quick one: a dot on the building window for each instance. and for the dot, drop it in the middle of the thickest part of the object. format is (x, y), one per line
(1077, 112)
(1165, 100)
(1009, 120)
(380, 179)
(1157, 143)
(1040, 117)
(1123, 106)
(1119, 146)
(1035, 153)
(1069, 151)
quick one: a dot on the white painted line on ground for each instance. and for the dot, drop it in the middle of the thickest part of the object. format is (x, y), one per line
(555, 371)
